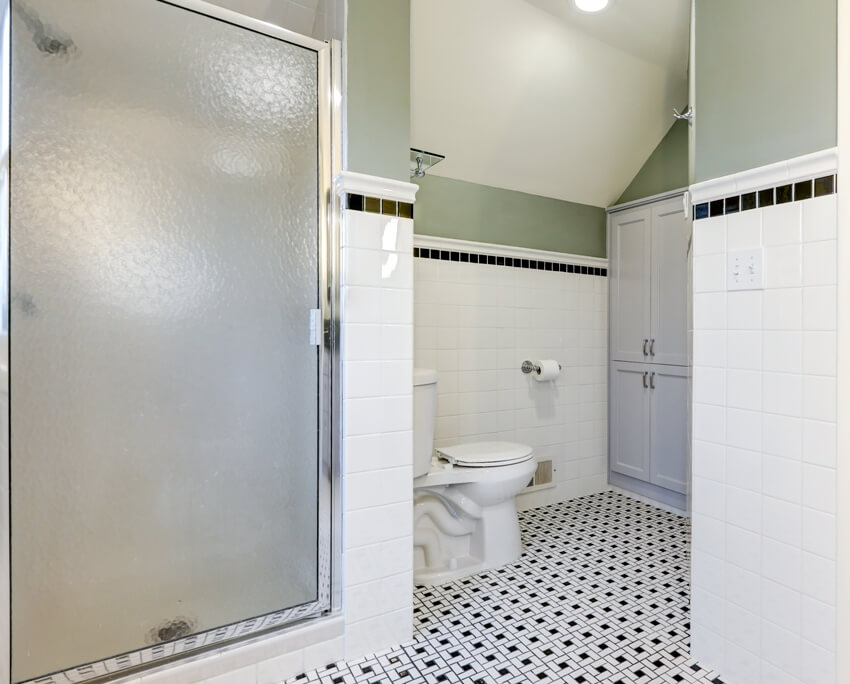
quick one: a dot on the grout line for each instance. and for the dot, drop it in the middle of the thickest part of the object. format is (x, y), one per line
(511, 262)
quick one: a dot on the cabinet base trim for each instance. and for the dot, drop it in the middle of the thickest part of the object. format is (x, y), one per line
(657, 496)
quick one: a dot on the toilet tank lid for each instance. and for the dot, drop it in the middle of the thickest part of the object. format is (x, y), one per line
(486, 453)
(424, 376)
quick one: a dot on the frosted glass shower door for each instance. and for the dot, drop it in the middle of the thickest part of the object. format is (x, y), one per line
(165, 256)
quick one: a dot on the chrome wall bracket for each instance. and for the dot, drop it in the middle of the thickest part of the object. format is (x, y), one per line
(687, 115)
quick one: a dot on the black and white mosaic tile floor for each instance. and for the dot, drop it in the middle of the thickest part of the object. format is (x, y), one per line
(600, 596)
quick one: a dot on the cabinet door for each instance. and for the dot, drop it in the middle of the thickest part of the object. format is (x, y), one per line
(630, 419)
(629, 263)
(671, 230)
(669, 453)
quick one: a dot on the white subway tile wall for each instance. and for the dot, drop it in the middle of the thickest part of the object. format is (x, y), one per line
(764, 448)
(476, 323)
(377, 356)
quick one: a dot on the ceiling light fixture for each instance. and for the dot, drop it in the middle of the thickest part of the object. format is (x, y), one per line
(591, 5)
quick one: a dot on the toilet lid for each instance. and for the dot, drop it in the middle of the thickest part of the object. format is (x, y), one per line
(482, 454)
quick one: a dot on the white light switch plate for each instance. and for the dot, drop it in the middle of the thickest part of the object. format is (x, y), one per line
(744, 270)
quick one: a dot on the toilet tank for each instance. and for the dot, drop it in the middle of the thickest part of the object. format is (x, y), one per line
(424, 418)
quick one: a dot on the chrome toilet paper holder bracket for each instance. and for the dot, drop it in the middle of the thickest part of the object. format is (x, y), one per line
(530, 367)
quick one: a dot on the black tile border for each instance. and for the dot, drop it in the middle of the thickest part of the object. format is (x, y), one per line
(376, 205)
(767, 197)
(512, 262)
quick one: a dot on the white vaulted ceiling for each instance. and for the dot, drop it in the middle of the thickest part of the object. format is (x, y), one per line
(536, 96)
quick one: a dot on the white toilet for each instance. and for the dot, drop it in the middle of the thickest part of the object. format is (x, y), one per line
(464, 514)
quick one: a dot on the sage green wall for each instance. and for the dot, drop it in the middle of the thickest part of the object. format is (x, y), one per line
(765, 78)
(666, 169)
(378, 87)
(468, 211)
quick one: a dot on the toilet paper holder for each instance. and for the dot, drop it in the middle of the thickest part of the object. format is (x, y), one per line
(530, 367)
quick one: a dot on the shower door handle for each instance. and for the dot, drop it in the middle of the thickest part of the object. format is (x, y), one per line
(317, 328)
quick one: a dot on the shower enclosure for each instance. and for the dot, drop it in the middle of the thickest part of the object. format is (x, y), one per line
(170, 330)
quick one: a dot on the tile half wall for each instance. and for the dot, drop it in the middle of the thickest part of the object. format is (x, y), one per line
(764, 431)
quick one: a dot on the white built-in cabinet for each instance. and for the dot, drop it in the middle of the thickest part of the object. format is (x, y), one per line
(649, 276)
(649, 421)
(649, 373)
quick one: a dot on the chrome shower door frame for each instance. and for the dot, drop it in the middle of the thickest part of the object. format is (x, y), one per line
(329, 98)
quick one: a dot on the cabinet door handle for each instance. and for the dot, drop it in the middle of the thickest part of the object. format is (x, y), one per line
(652, 380)
(644, 380)
(645, 342)
(652, 347)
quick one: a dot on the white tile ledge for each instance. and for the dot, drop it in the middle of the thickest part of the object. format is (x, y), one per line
(809, 165)
(233, 658)
(375, 186)
(432, 242)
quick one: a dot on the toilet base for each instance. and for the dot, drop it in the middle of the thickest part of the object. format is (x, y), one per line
(465, 520)
(493, 543)
(430, 576)
(466, 566)
(496, 538)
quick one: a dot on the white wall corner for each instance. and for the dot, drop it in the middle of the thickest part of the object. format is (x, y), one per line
(377, 418)
(843, 368)
(375, 186)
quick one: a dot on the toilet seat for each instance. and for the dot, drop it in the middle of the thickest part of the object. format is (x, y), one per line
(486, 454)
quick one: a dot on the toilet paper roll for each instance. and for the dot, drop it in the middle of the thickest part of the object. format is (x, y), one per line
(549, 370)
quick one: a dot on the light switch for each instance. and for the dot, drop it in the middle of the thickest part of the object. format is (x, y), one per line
(744, 270)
